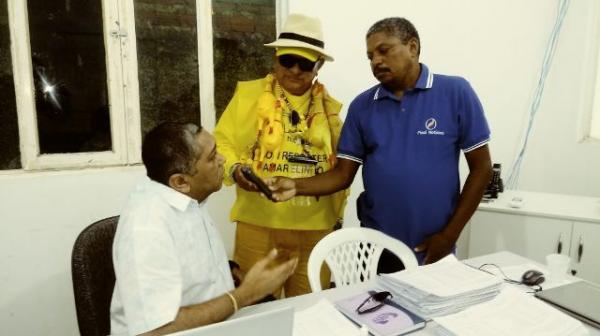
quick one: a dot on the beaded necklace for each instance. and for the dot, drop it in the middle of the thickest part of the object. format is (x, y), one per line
(295, 118)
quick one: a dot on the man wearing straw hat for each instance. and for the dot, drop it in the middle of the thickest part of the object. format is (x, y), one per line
(284, 124)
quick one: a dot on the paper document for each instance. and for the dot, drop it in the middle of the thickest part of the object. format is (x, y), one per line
(445, 278)
(512, 312)
(441, 288)
(322, 319)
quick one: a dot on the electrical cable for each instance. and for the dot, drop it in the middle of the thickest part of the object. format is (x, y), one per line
(536, 288)
(563, 6)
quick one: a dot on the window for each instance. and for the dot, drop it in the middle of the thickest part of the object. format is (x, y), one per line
(240, 28)
(167, 53)
(10, 157)
(72, 114)
(73, 83)
(83, 80)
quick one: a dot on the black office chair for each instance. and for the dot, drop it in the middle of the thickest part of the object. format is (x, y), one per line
(94, 277)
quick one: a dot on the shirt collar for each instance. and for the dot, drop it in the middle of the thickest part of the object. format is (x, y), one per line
(173, 197)
(425, 81)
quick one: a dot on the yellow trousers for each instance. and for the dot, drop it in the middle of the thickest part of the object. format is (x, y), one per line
(253, 242)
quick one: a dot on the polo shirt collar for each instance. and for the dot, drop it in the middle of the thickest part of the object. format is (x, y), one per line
(425, 81)
(173, 197)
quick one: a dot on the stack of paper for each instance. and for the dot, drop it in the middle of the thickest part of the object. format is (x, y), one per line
(510, 313)
(441, 288)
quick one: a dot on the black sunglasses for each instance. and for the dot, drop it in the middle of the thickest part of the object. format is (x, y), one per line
(289, 61)
(373, 302)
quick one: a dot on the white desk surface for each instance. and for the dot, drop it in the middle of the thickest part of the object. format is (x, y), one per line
(568, 207)
(502, 259)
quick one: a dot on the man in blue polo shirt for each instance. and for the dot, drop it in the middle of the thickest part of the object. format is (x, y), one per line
(408, 132)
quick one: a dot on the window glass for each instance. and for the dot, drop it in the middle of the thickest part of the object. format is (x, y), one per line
(69, 72)
(9, 130)
(167, 49)
(240, 28)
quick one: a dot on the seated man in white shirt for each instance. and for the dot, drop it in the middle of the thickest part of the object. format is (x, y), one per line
(170, 263)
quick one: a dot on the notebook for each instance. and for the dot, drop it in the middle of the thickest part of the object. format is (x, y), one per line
(580, 300)
(279, 322)
(389, 320)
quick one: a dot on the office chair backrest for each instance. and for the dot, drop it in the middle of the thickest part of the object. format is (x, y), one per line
(352, 255)
(93, 276)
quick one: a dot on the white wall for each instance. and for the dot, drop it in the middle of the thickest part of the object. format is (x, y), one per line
(42, 214)
(497, 45)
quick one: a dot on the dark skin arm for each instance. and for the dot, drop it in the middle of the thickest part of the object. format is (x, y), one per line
(441, 244)
(436, 246)
(336, 179)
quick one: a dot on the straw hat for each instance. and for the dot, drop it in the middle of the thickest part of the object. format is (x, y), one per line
(303, 32)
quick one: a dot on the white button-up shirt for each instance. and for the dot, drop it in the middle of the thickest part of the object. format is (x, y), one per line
(167, 254)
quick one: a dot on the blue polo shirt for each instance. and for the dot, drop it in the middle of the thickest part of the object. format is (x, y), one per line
(409, 149)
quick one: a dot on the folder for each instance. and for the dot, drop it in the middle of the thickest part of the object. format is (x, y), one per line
(390, 320)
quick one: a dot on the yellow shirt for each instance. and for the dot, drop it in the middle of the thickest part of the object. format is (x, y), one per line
(236, 136)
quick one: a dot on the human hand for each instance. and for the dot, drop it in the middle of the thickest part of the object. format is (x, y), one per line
(241, 180)
(283, 188)
(436, 247)
(264, 278)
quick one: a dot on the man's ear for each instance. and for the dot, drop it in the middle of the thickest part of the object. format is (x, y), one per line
(180, 183)
(414, 46)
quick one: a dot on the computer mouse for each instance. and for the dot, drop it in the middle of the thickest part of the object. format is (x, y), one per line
(532, 277)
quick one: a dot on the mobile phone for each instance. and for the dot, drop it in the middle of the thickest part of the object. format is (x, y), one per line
(302, 159)
(250, 176)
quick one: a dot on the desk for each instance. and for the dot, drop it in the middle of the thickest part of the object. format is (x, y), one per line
(502, 259)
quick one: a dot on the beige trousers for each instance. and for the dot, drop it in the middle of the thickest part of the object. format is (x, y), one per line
(253, 242)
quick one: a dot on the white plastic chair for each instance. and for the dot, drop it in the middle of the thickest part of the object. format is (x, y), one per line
(352, 255)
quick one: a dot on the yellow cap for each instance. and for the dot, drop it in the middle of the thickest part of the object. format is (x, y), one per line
(303, 52)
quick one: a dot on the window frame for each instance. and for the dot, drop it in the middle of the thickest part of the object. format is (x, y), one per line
(119, 41)
(122, 83)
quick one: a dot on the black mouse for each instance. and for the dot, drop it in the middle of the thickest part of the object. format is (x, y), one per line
(532, 277)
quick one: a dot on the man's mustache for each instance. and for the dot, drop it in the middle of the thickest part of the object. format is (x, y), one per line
(379, 70)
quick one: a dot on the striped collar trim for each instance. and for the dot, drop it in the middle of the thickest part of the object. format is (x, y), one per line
(425, 81)
(376, 96)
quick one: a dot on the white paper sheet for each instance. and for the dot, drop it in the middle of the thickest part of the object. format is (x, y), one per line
(445, 278)
(322, 319)
(511, 313)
